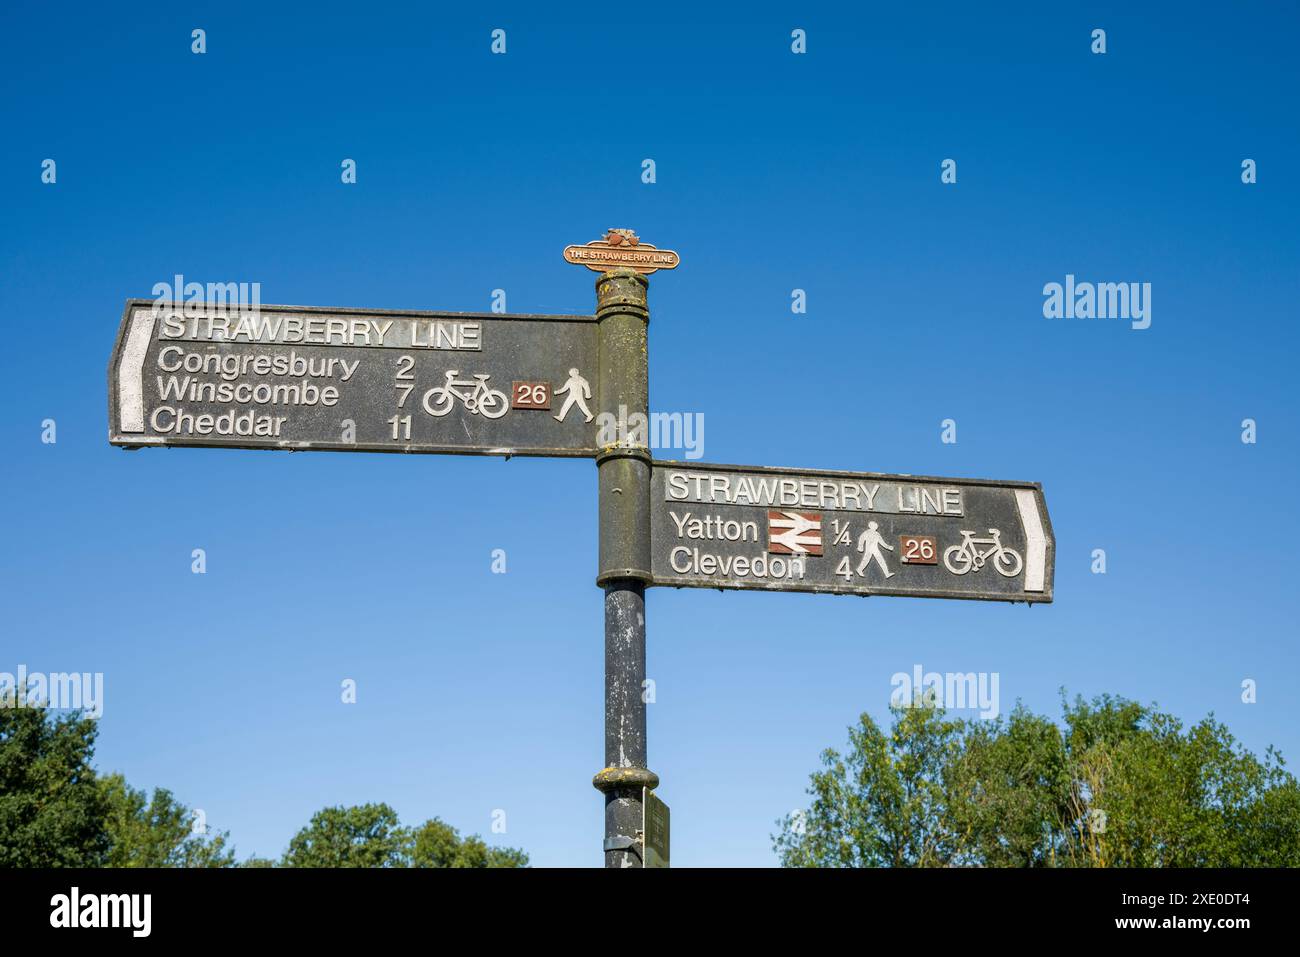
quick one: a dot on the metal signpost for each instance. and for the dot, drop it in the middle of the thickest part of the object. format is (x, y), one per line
(305, 378)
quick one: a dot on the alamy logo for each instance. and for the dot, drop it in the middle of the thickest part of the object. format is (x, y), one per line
(659, 430)
(954, 691)
(102, 910)
(214, 298)
(59, 690)
(1101, 300)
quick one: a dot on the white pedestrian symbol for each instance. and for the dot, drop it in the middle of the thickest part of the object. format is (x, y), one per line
(870, 543)
(579, 392)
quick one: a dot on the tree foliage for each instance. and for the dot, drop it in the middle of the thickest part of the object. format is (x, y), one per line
(1116, 785)
(437, 844)
(370, 835)
(55, 811)
(158, 831)
(51, 808)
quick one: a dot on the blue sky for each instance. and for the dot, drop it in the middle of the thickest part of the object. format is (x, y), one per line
(775, 171)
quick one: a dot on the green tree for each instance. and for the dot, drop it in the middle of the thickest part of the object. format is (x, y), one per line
(56, 812)
(886, 803)
(1007, 781)
(157, 831)
(438, 844)
(51, 808)
(1118, 785)
(368, 835)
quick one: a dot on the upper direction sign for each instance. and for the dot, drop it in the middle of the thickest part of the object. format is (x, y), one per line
(855, 533)
(294, 377)
(621, 249)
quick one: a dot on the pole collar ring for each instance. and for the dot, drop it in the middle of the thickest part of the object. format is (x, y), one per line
(623, 452)
(621, 779)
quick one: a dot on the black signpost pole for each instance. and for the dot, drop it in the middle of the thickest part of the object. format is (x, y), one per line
(623, 467)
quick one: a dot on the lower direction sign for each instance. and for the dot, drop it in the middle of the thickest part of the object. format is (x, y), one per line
(853, 533)
(654, 830)
(293, 377)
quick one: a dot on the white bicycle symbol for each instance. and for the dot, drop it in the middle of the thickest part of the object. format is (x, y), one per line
(968, 555)
(476, 395)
